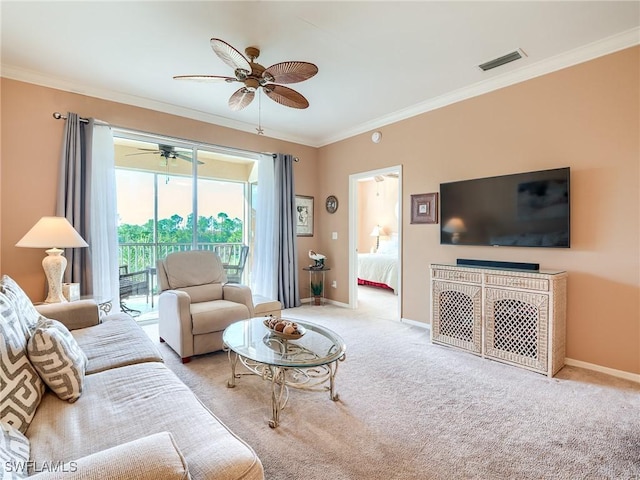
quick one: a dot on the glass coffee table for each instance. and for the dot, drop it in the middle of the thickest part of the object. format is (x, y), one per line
(307, 363)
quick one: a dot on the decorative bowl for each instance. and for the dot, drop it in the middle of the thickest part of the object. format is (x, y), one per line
(300, 330)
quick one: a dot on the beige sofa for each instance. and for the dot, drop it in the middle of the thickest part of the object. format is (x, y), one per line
(134, 419)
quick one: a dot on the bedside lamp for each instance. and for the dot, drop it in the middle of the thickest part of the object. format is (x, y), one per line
(51, 233)
(454, 226)
(376, 232)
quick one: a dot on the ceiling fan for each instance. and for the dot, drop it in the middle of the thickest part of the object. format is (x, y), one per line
(254, 76)
(166, 152)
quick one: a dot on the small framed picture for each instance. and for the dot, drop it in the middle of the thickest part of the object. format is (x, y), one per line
(304, 216)
(424, 208)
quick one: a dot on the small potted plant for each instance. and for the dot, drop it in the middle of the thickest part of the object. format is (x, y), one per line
(316, 290)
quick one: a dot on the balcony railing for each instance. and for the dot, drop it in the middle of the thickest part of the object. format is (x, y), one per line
(141, 256)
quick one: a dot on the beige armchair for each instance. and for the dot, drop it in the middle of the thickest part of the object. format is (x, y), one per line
(196, 303)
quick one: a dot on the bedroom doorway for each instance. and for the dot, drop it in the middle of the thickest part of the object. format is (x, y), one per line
(375, 241)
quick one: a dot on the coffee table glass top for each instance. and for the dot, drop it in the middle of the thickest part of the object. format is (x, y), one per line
(251, 339)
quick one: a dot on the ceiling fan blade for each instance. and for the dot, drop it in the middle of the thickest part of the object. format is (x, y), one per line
(230, 55)
(290, 72)
(205, 78)
(285, 96)
(152, 152)
(186, 157)
(241, 98)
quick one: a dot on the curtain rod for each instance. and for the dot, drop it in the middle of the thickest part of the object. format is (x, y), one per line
(59, 116)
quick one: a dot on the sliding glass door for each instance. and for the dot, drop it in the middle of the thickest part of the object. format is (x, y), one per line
(176, 196)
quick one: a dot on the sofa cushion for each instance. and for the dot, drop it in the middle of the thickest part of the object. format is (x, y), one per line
(25, 310)
(116, 342)
(196, 267)
(122, 404)
(21, 387)
(207, 317)
(149, 458)
(57, 358)
(14, 452)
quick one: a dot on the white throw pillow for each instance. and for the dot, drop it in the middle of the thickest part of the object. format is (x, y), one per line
(21, 388)
(14, 453)
(58, 358)
(26, 312)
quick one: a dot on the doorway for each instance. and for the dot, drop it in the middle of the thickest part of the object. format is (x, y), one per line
(375, 241)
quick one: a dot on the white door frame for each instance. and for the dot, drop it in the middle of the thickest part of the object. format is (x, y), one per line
(353, 233)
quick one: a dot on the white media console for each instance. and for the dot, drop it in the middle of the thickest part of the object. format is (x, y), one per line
(512, 316)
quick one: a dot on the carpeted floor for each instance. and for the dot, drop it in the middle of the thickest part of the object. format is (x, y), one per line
(412, 410)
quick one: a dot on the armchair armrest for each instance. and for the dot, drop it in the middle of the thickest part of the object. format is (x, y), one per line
(174, 321)
(74, 315)
(235, 292)
(148, 458)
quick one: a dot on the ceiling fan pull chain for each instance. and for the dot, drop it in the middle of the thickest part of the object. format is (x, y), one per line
(259, 129)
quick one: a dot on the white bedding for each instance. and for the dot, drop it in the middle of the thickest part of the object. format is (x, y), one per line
(379, 268)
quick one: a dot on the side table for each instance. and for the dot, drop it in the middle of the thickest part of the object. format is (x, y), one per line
(313, 272)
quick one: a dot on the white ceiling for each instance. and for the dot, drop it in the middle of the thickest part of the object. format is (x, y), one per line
(378, 62)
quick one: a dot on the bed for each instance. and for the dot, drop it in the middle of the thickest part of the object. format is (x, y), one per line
(378, 270)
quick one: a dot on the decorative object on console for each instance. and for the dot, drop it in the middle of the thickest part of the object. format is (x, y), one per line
(454, 226)
(53, 233)
(424, 208)
(318, 258)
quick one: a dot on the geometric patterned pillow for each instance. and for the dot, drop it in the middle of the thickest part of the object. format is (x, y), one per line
(25, 310)
(21, 388)
(14, 452)
(58, 358)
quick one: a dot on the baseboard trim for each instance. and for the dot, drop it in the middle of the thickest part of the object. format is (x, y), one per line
(416, 323)
(634, 377)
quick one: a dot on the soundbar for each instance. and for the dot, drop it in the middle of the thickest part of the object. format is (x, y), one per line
(496, 264)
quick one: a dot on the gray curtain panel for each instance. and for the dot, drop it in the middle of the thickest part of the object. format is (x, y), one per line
(288, 290)
(74, 184)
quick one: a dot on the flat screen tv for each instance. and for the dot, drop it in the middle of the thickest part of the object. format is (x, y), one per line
(520, 210)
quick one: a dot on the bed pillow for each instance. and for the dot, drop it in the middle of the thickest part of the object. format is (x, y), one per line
(21, 388)
(389, 247)
(14, 452)
(58, 358)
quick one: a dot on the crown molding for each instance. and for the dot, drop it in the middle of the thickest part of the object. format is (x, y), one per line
(29, 76)
(612, 44)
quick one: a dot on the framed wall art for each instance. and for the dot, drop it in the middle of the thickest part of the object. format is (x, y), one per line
(304, 216)
(424, 208)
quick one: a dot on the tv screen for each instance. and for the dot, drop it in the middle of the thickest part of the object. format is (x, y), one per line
(520, 210)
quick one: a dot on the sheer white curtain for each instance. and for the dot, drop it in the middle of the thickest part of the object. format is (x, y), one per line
(104, 216)
(264, 278)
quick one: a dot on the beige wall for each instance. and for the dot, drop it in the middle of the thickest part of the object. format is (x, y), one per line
(31, 146)
(585, 117)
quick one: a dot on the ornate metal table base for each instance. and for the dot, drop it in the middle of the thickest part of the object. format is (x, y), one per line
(302, 378)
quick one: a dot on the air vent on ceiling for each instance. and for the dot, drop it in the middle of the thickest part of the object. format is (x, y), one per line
(509, 57)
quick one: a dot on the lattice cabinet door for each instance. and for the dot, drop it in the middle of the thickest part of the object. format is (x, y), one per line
(516, 327)
(457, 315)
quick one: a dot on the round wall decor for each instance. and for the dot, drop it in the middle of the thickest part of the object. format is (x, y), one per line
(331, 204)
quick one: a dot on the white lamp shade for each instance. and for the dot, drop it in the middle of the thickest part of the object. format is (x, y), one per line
(377, 231)
(51, 232)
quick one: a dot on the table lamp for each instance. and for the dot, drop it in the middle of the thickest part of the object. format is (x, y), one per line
(376, 232)
(52, 233)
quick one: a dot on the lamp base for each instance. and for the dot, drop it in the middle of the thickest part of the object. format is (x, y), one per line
(54, 265)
